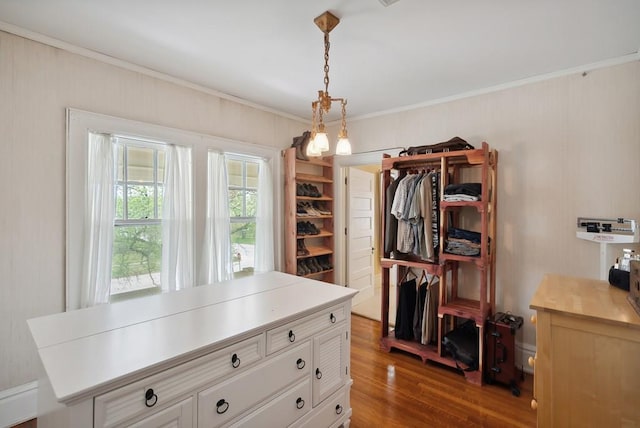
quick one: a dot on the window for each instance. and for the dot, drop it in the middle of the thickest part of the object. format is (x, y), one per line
(242, 178)
(137, 241)
(146, 166)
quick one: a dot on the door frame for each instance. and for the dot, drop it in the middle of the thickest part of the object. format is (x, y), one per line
(340, 164)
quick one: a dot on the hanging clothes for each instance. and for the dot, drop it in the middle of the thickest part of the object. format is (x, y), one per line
(430, 314)
(405, 310)
(391, 226)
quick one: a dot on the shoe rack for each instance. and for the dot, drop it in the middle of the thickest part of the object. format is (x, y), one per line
(308, 222)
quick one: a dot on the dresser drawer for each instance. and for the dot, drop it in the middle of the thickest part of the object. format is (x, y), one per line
(221, 403)
(299, 330)
(282, 411)
(334, 409)
(149, 395)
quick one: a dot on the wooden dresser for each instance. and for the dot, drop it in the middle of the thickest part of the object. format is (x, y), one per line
(587, 365)
(267, 350)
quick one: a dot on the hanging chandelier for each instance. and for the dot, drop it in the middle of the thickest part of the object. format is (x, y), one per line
(319, 141)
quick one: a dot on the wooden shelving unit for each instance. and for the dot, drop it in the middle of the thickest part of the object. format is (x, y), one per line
(319, 173)
(482, 162)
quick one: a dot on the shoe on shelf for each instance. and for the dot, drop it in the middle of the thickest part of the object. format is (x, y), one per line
(311, 210)
(325, 263)
(312, 229)
(301, 210)
(315, 263)
(302, 249)
(302, 267)
(302, 228)
(320, 209)
(309, 266)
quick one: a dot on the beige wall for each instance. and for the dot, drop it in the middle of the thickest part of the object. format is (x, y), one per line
(568, 147)
(37, 83)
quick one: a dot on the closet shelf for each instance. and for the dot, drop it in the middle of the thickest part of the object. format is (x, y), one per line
(466, 308)
(323, 234)
(451, 167)
(469, 259)
(322, 272)
(479, 205)
(312, 199)
(316, 251)
(465, 157)
(319, 172)
(431, 268)
(310, 217)
(305, 178)
(315, 161)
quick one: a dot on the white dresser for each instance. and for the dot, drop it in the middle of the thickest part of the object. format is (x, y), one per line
(271, 350)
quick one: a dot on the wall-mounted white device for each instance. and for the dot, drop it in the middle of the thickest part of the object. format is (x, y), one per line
(607, 231)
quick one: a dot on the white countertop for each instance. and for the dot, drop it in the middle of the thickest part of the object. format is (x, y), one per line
(90, 351)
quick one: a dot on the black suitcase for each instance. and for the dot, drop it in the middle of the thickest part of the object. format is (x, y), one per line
(500, 363)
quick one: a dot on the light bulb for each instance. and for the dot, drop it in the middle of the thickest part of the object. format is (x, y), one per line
(322, 142)
(312, 149)
(344, 147)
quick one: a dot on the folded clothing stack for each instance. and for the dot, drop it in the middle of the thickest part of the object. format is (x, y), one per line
(463, 192)
(462, 242)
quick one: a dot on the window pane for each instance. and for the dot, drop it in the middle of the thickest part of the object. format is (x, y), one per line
(140, 202)
(161, 157)
(120, 162)
(252, 174)
(119, 202)
(251, 203)
(160, 200)
(243, 240)
(137, 255)
(234, 173)
(236, 203)
(140, 164)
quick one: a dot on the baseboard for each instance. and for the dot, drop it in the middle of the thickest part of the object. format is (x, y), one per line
(18, 404)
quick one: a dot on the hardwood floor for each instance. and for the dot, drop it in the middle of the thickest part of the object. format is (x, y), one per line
(397, 390)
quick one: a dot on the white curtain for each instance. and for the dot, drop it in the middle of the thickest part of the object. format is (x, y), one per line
(177, 221)
(217, 242)
(99, 214)
(264, 219)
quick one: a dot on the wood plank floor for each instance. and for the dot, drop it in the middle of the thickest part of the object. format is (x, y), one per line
(397, 390)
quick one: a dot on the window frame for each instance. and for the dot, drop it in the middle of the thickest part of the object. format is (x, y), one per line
(80, 123)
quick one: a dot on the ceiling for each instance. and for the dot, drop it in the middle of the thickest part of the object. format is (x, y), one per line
(412, 52)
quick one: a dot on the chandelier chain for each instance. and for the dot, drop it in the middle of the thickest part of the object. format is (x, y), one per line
(326, 63)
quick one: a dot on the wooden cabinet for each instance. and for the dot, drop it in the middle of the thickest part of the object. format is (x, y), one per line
(587, 354)
(267, 350)
(455, 272)
(309, 205)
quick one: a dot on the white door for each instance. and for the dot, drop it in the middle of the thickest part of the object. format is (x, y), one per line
(360, 232)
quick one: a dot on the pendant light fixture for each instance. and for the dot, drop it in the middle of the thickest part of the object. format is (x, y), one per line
(319, 141)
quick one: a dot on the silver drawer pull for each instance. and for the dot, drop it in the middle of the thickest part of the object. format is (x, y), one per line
(300, 363)
(332, 318)
(222, 406)
(338, 409)
(150, 398)
(235, 361)
(318, 374)
(299, 403)
(292, 337)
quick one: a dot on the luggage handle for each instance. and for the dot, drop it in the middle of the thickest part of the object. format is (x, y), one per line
(504, 352)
